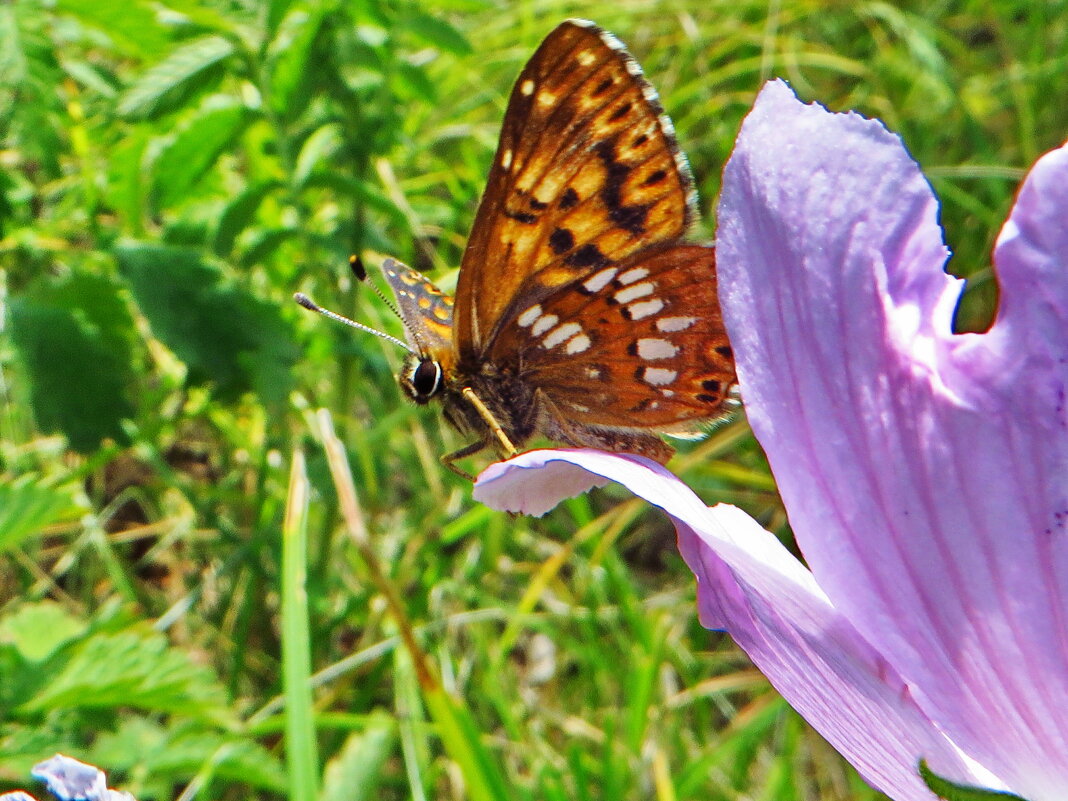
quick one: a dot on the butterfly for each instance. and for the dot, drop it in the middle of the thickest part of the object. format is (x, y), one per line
(580, 313)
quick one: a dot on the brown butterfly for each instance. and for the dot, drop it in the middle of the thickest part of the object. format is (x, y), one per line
(580, 314)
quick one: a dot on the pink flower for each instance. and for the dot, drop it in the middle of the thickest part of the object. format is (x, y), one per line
(925, 473)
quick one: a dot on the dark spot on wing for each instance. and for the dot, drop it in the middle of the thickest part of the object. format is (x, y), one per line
(561, 241)
(524, 217)
(587, 256)
(569, 199)
(655, 178)
(630, 218)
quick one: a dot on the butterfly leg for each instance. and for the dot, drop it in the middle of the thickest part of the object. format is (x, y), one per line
(449, 459)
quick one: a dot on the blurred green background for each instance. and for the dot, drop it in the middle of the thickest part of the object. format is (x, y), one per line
(170, 174)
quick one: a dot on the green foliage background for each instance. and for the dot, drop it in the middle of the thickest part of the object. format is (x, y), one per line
(170, 174)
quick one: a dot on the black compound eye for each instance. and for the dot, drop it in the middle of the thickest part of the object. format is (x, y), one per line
(426, 378)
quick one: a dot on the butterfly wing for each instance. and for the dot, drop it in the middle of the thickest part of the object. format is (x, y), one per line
(639, 345)
(426, 310)
(587, 172)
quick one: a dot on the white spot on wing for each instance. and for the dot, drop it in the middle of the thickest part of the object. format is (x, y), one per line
(632, 275)
(633, 67)
(658, 376)
(544, 323)
(548, 98)
(593, 372)
(649, 93)
(666, 126)
(671, 324)
(585, 58)
(644, 308)
(651, 348)
(506, 159)
(634, 292)
(561, 334)
(528, 317)
(610, 41)
(577, 345)
(526, 88)
(598, 281)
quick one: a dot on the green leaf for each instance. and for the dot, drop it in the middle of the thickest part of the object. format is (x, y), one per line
(265, 242)
(134, 668)
(90, 77)
(74, 340)
(183, 70)
(179, 752)
(951, 791)
(437, 32)
(317, 148)
(413, 82)
(27, 505)
(302, 757)
(355, 773)
(222, 333)
(127, 179)
(290, 56)
(239, 213)
(26, 55)
(28, 68)
(38, 629)
(133, 26)
(194, 150)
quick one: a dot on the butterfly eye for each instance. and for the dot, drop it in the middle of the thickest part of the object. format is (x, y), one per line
(425, 380)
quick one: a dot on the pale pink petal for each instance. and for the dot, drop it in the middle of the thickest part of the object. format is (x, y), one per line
(925, 474)
(752, 587)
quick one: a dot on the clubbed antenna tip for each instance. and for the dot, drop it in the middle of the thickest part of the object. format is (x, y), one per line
(356, 263)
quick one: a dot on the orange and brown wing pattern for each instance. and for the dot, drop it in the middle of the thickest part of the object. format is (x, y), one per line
(426, 310)
(638, 345)
(587, 173)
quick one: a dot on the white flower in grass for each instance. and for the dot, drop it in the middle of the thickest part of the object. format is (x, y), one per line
(70, 780)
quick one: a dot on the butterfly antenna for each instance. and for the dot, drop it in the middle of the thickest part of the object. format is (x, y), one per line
(311, 305)
(358, 270)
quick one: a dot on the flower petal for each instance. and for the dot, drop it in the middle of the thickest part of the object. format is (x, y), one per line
(751, 586)
(925, 473)
(539, 491)
(70, 780)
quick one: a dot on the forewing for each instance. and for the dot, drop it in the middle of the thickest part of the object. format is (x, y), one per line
(425, 309)
(638, 345)
(587, 172)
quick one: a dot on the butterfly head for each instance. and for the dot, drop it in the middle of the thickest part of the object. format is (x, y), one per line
(422, 378)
